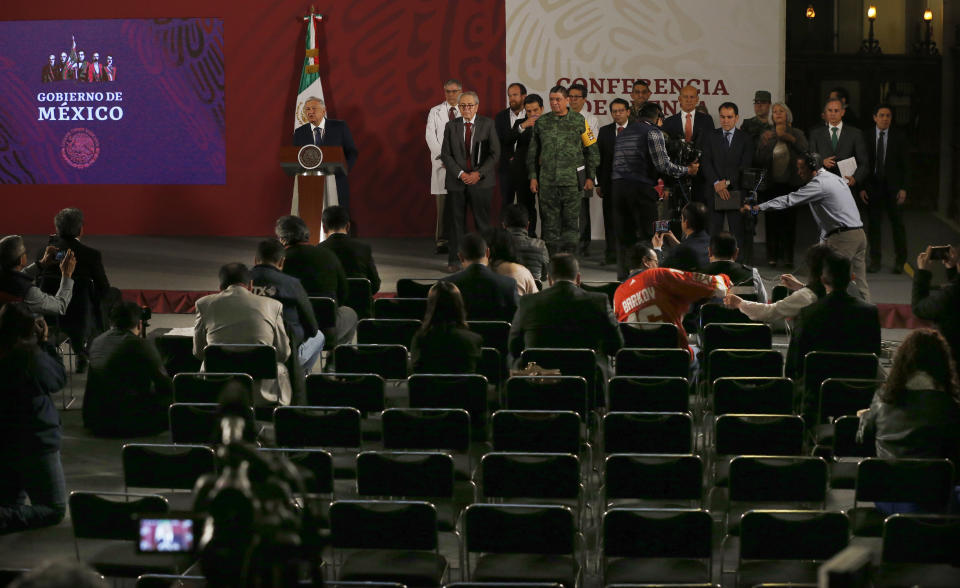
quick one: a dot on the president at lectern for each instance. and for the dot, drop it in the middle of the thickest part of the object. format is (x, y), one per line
(327, 132)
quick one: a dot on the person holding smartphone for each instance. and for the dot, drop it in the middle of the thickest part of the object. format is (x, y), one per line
(939, 306)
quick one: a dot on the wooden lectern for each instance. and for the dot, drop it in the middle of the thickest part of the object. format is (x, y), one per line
(312, 183)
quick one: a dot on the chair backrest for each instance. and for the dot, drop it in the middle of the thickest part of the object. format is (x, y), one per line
(325, 311)
(649, 533)
(820, 365)
(653, 477)
(845, 396)
(735, 336)
(364, 392)
(426, 428)
(198, 423)
(166, 466)
(110, 515)
(744, 363)
(374, 524)
(744, 434)
(259, 361)
(387, 331)
(648, 394)
(921, 539)
(491, 366)
(530, 475)
(466, 391)
(176, 352)
(495, 333)
(400, 308)
(407, 474)
(414, 287)
(753, 396)
(535, 529)
(845, 439)
(536, 431)
(650, 335)
(927, 482)
(778, 479)
(718, 313)
(205, 387)
(360, 296)
(792, 534)
(564, 393)
(653, 362)
(570, 362)
(608, 288)
(647, 432)
(387, 361)
(313, 426)
(315, 467)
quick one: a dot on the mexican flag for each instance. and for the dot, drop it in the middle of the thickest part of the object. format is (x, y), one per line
(310, 75)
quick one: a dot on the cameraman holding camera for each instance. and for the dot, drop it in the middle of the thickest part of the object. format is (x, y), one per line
(639, 159)
(939, 306)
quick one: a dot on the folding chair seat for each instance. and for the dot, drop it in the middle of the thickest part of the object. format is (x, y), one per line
(570, 362)
(821, 365)
(380, 331)
(400, 308)
(387, 361)
(205, 387)
(788, 546)
(395, 541)
(926, 483)
(199, 423)
(647, 546)
(533, 478)
(664, 479)
(176, 353)
(110, 516)
(360, 297)
(774, 482)
(920, 550)
(521, 543)
(170, 581)
(735, 336)
(466, 391)
(752, 396)
(653, 362)
(323, 427)
(563, 393)
(647, 432)
(536, 431)
(744, 434)
(650, 335)
(431, 429)
(648, 394)
(839, 397)
(414, 287)
(608, 288)
(843, 471)
(170, 467)
(495, 334)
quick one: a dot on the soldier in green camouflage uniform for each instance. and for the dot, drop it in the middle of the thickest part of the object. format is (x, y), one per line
(556, 150)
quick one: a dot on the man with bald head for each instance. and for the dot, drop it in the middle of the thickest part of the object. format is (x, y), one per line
(327, 132)
(692, 127)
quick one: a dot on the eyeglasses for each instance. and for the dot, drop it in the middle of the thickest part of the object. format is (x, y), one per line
(574, 96)
(467, 105)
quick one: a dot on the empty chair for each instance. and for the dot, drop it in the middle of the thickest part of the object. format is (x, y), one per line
(653, 362)
(735, 336)
(169, 467)
(387, 361)
(647, 432)
(412, 475)
(364, 392)
(650, 335)
(111, 516)
(920, 550)
(539, 431)
(565, 393)
(608, 288)
(360, 297)
(311, 426)
(739, 434)
(770, 482)
(495, 333)
(570, 362)
(315, 467)
(820, 365)
(466, 391)
(648, 394)
(400, 308)
(414, 287)
(788, 546)
(718, 313)
(199, 423)
(380, 331)
(752, 396)
(847, 452)
(667, 479)
(205, 387)
(839, 397)
(924, 485)
(653, 546)
(531, 476)
(521, 543)
(743, 363)
(431, 429)
(395, 541)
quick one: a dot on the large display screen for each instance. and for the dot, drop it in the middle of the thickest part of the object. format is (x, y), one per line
(112, 102)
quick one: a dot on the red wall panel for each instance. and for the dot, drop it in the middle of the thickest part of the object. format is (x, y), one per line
(383, 65)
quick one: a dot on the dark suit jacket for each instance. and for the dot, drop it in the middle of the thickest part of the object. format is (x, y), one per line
(502, 124)
(849, 144)
(606, 140)
(521, 143)
(488, 296)
(725, 163)
(894, 163)
(690, 255)
(484, 151)
(318, 270)
(702, 124)
(89, 288)
(355, 256)
(564, 315)
(836, 322)
(336, 133)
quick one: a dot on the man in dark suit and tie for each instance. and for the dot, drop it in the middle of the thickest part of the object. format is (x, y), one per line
(836, 141)
(470, 152)
(606, 139)
(503, 122)
(328, 132)
(355, 257)
(519, 138)
(691, 126)
(885, 188)
(727, 151)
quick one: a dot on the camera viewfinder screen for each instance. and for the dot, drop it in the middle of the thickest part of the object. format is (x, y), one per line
(166, 535)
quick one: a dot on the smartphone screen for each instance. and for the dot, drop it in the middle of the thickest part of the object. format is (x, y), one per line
(661, 226)
(167, 535)
(939, 252)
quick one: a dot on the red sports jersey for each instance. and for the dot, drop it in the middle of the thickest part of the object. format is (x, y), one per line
(663, 295)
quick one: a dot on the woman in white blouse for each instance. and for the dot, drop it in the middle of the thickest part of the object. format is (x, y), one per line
(803, 294)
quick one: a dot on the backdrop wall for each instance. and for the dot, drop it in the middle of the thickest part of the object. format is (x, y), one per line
(383, 64)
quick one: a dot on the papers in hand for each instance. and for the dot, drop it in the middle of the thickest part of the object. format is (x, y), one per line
(847, 166)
